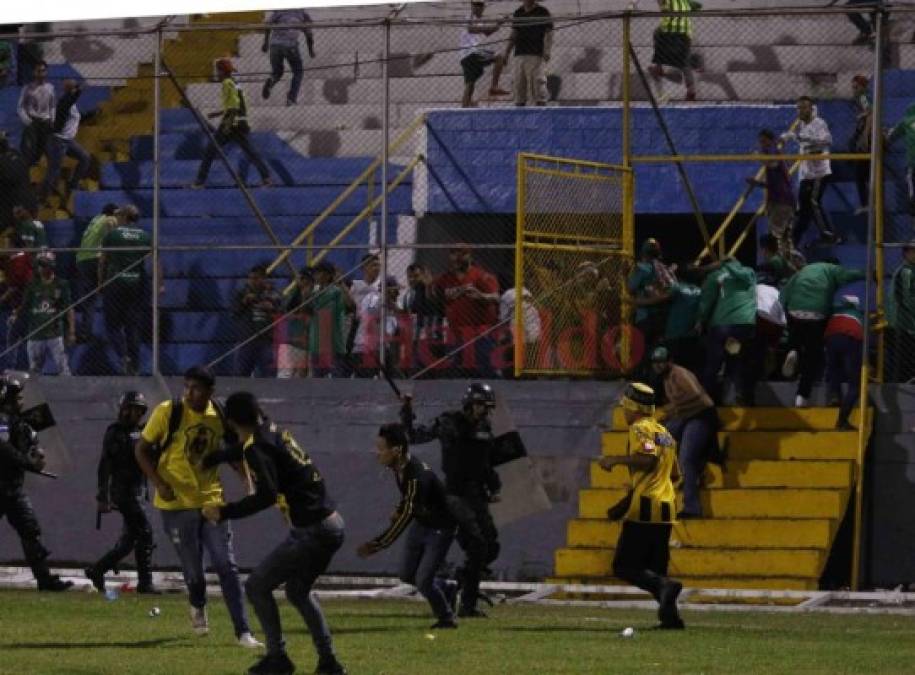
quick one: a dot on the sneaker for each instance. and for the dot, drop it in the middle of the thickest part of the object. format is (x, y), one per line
(789, 367)
(450, 588)
(330, 666)
(273, 664)
(443, 624)
(472, 613)
(97, 577)
(265, 92)
(147, 588)
(845, 425)
(801, 401)
(667, 598)
(196, 185)
(248, 641)
(199, 621)
(53, 584)
(676, 624)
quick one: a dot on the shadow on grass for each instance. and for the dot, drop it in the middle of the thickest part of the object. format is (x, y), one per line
(558, 629)
(141, 644)
(379, 615)
(353, 631)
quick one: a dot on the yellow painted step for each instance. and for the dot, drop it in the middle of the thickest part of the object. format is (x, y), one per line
(751, 474)
(746, 583)
(804, 563)
(746, 445)
(737, 503)
(768, 419)
(707, 533)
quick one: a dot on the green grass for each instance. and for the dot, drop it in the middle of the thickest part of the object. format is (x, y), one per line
(77, 633)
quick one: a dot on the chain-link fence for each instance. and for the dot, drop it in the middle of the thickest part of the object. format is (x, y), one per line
(332, 151)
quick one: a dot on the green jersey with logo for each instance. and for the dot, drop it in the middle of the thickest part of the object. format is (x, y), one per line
(41, 303)
(119, 264)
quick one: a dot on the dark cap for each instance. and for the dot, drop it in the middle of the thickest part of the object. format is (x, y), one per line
(390, 281)
(201, 374)
(134, 399)
(325, 266)
(651, 247)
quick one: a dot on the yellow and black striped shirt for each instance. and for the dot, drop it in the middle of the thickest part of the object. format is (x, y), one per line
(677, 24)
(653, 497)
(422, 499)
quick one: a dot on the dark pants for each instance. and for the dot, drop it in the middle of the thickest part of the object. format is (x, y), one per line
(34, 141)
(426, 550)
(864, 26)
(843, 366)
(15, 505)
(694, 439)
(478, 538)
(687, 352)
(256, 358)
(862, 170)
(123, 305)
(900, 362)
(87, 274)
(241, 139)
(58, 148)
(810, 207)
(642, 555)
(17, 358)
(651, 328)
(191, 536)
(297, 562)
(741, 367)
(293, 56)
(806, 337)
(136, 536)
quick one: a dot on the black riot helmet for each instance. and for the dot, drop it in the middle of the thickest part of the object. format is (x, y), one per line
(478, 392)
(133, 399)
(10, 390)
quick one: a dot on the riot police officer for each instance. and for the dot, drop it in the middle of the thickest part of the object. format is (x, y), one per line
(122, 485)
(20, 452)
(471, 483)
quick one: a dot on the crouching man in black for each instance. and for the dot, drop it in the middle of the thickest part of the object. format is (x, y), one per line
(471, 483)
(282, 472)
(20, 452)
(121, 485)
(423, 502)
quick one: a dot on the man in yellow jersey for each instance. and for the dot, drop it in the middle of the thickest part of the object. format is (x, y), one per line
(643, 549)
(673, 42)
(170, 452)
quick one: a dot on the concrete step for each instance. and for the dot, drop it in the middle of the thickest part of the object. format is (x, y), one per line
(752, 474)
(771, 445)
(708, 533)
(800, 563)
(725, 582)
(738, 503)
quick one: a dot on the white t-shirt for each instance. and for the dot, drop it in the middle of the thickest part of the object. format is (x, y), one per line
(470, 42)
(286, 36)
(768, 305)
(366, 339)
(531, 316)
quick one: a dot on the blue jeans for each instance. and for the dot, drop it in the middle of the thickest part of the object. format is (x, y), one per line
(191, 536)
(297, 562)
(693, 436)
(843, 366)
(58, 148)
(425, 552)
(256, 358)
(278, 54)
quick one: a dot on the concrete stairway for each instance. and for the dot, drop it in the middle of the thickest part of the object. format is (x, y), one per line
(771, 516)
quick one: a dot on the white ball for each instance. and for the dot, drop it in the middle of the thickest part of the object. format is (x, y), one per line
(155, 611)
(628, 632)
(430, 636)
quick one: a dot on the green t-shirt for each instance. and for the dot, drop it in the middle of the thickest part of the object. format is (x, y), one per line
(327, 322)
(684, 311)
(639, 280)
(297, 321)
(116, 263)
(93, 236)
(31, 234)
(901, 299)
(42, 301)
(729, 296)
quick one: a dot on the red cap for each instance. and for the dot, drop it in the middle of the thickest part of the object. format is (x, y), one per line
(225, 65)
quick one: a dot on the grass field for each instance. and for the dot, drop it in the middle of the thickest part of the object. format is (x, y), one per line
(82, 634)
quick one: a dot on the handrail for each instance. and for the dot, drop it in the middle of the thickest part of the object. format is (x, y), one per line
(343, 196)
(362, 215)
(759, 211)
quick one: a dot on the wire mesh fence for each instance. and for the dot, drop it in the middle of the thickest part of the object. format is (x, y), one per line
(316, 141)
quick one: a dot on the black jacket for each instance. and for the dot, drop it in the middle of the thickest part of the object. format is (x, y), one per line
(62, 111)
(279, 467)
(422, 499)
(467, 450)
(19, 452)
(119, 475)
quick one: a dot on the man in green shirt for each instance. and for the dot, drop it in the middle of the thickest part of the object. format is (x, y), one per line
(326, 341)
(292, 352)
(87, 266)
(649, 285)
(256, 304)
(672, 43)
(727, 308)
(233, 128)
(901, 316)
(30, 232)
(906, 129)
(122, 277)
(46, 302)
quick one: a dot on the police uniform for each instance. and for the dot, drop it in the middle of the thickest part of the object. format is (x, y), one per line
(19, 452)
(643, 548)
(121, 483)
(424, 503)
(283, 474)
(470, 483)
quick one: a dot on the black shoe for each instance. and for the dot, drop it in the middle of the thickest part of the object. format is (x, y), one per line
(330, 667)
(265, 92)
(472, 613)
(54, 584)
(667, 598)
(676, 624)
(444, 623)
(148, 589)
(845, 425)
(273, 664)
(450, 588)
(97, 577)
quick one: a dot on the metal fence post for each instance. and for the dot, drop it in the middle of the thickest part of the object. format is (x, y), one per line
(383, 221)
(157, 131)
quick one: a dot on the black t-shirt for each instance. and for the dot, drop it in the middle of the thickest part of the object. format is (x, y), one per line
(529, 34)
